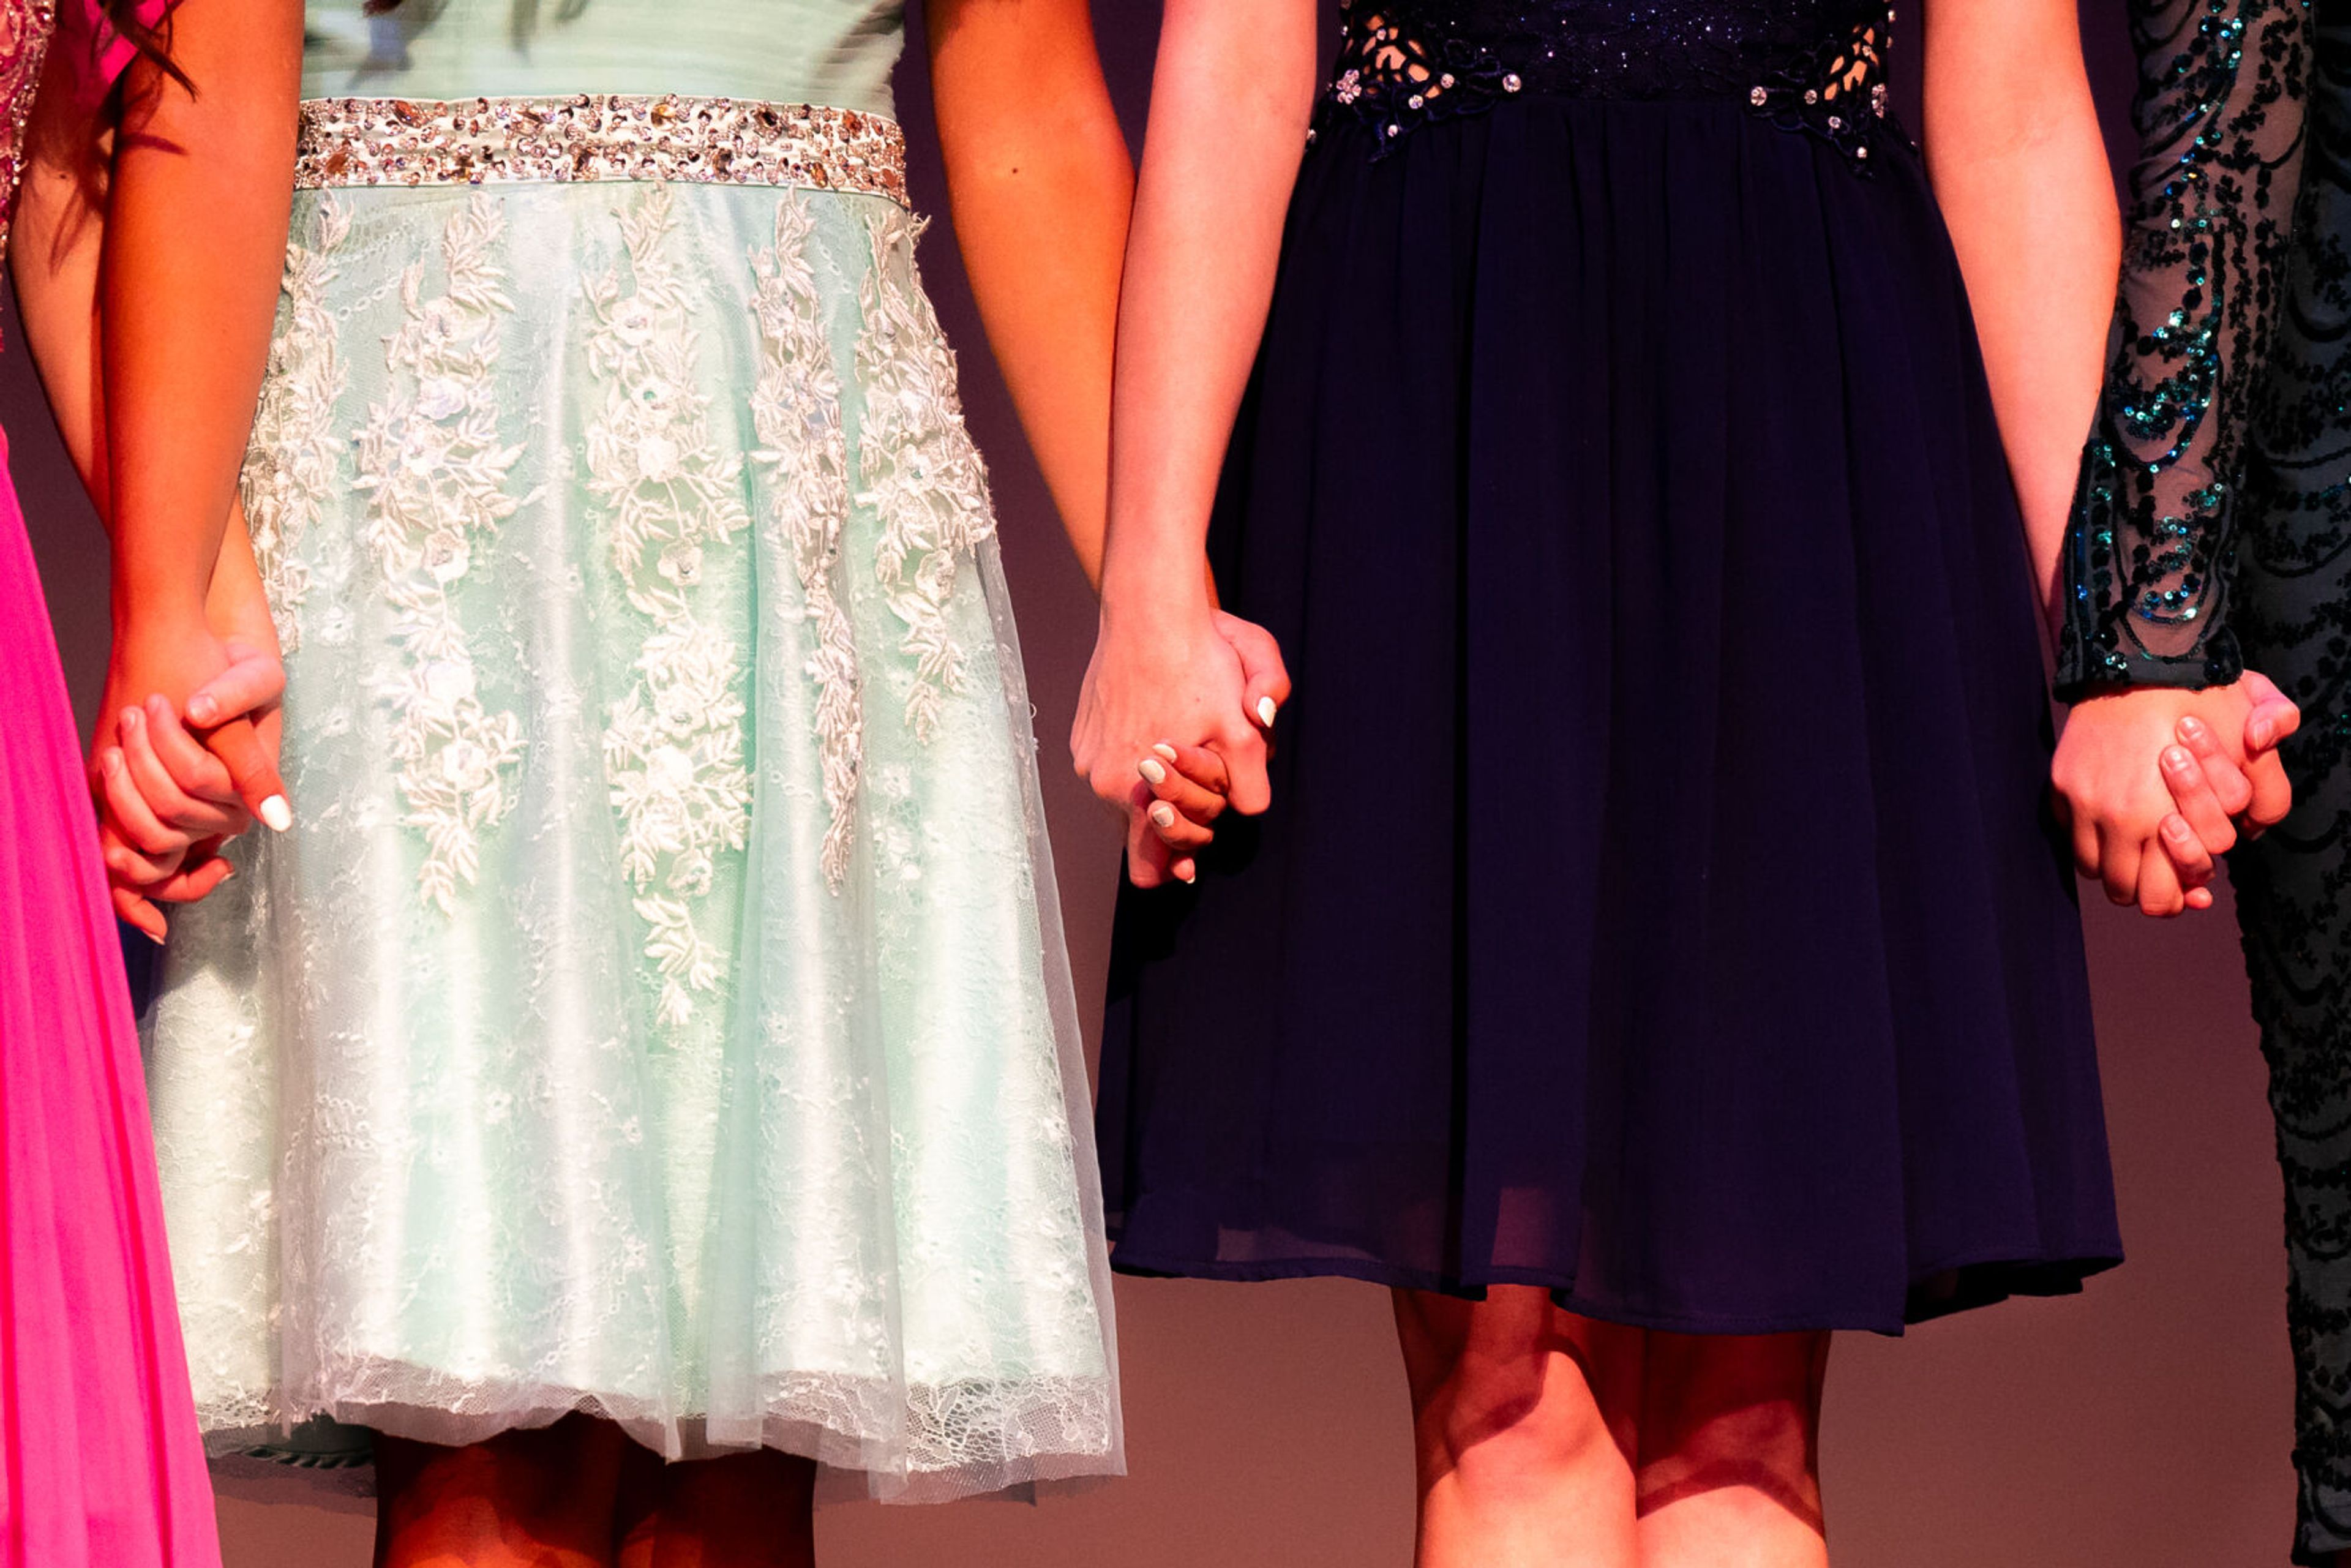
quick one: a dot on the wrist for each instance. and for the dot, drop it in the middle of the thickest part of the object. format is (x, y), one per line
(151, 611)
(1161, 595)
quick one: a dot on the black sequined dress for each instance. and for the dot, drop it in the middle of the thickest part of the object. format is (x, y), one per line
(1657, 906)
(2215, 497)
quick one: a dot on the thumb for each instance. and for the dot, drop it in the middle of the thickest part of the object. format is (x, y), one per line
(253, 680)
(2274, 715)
(252, 771)
(1265, 678)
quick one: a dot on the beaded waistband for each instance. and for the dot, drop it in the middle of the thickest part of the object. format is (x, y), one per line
(707, 141)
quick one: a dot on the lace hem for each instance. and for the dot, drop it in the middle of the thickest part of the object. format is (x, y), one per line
(911, 1443)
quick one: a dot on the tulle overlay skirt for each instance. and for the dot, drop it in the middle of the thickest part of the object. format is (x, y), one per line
(103, 1468)
(1658, 905)
(658, 1008)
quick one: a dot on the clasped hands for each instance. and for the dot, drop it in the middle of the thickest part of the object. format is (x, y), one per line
(1175, 727)
(185, 758)
(2154, 784)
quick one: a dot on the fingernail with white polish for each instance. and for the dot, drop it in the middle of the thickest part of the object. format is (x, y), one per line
(1151, 770)
(1266, 710)
(277, 813)
(1165, 751)
(1185, 871)
(1164, 814)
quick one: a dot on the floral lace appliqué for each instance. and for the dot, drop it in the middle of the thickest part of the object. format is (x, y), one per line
(435, 470)
(804, 455)
(291, 462)
(920, 472)
(674, 747)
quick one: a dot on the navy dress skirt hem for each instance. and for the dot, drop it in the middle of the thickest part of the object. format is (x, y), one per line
(1659, 904)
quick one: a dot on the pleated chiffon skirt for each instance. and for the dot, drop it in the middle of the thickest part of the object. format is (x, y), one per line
(100, 1463)
(1658, 905)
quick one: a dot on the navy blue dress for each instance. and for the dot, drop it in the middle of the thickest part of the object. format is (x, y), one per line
(1658, 905)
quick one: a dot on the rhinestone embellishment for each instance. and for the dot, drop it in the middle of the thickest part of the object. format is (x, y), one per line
(604, 136)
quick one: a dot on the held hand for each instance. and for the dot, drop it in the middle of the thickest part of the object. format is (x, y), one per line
(2118, 767)
(239, 706)
(1170, 677)
(168, 800)
(1187, 794)
(1265, 678)
(1188, 783)
(2272, 718)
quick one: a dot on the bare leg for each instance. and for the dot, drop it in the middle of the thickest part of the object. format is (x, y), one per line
(743, 1510)
(1729, 1451)
(538, 1498)
(1524, 1424)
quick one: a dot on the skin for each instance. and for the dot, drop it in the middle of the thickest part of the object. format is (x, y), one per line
(1218, 162)
(143, 762)
(179, 386)
(2020, 169)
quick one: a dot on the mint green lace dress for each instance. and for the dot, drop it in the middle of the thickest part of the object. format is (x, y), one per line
(658, 1008)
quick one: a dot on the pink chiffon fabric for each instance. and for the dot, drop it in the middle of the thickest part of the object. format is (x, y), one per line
(100, 1462)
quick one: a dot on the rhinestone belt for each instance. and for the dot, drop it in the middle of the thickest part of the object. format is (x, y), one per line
(607, 136)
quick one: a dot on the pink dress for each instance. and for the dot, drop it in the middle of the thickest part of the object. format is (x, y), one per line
(100, 1463)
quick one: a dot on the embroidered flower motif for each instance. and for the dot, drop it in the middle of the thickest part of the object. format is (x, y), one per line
(920, 472)
(803, 454)
(291, 461)
(434, 471)
(674, 751)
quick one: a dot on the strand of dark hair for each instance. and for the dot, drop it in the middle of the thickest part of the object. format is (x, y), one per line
(152, 42)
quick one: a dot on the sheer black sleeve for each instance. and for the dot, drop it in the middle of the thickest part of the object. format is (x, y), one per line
(2222, 85)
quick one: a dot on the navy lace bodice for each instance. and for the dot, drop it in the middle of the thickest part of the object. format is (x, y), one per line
(1810, 65)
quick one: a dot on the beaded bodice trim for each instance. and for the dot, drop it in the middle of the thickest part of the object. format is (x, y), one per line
(1816, 66)
(708, 141)
(25, 29)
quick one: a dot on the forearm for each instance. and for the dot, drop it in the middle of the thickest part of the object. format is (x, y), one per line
(2020, 169)
(1040, 186)
(1231, 101)
(55, 244)
(188, 287)
(57, 240)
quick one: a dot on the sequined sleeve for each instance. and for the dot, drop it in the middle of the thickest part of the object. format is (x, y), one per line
(2222, 85)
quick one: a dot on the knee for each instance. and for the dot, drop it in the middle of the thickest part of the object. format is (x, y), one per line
(1493, 1414)
(1730, 1415)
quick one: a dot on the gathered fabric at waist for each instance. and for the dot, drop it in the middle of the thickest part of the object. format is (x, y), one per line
(354, 142)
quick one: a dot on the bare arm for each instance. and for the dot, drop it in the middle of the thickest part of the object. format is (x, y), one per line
(148, 269)
(188, 289)
(2018, 164)
(1040, 186)
(1231, 101)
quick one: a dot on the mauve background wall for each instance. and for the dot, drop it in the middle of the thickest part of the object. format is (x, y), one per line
(2146, 1423)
